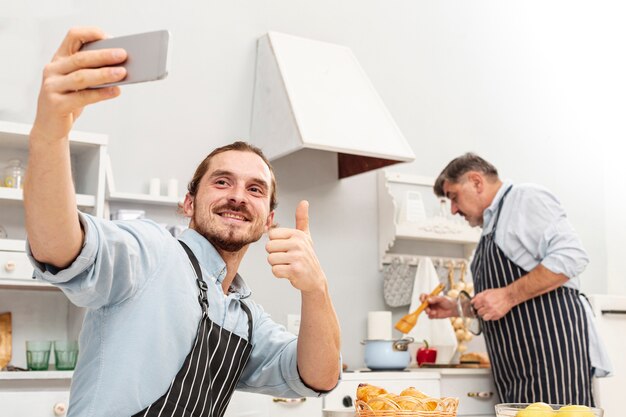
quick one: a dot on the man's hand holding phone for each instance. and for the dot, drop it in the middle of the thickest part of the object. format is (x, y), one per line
(67, 80)
(87, 68)
(147, 55)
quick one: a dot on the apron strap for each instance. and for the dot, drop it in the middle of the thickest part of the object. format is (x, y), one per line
(495, 223)
(193, 259)
(249, 314)
(202, 286)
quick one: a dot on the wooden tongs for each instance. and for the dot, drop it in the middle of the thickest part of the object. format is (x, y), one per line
(406, 323)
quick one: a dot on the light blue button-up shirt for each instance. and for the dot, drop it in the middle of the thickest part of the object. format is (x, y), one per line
(139, 289)
(533, 228)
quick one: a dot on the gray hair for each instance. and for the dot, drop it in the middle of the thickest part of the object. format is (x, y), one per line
(461, 166)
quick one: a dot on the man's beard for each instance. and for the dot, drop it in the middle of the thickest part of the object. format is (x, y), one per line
(225, 240)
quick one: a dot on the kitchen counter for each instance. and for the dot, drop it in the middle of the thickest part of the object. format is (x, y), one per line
(452, 370)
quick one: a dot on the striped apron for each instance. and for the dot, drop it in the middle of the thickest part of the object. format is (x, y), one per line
(207, 379)
(539, 349)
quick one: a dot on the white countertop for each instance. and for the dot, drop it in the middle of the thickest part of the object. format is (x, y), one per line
(425, 372)
(26, 375)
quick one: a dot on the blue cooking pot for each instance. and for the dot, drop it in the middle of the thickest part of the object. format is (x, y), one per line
(387, 354)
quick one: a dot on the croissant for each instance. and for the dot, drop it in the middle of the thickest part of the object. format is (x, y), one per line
(373, 398)
(367, 392)
(413, 392)
(409, 403)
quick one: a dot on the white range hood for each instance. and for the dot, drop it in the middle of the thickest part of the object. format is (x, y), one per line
(314, 95)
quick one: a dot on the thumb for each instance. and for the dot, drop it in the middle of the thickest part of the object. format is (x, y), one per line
(302, 216)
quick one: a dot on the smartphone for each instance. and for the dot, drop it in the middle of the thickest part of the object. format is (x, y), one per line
(147, 55)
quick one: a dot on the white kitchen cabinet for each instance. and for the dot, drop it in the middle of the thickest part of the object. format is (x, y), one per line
(411, 220)
(474, 388)
(246, 404)
(87, 152)
(23, 395)
(40, 311)
(344, 396)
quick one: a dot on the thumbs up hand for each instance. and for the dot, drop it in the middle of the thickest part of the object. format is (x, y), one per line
(291, 253)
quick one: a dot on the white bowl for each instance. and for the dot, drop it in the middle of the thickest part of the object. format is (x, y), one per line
(511, 410)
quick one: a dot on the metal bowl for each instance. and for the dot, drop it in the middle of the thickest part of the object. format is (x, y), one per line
(512, 410)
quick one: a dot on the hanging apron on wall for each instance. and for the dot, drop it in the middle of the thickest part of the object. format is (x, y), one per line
(539, 349)
(207, 379)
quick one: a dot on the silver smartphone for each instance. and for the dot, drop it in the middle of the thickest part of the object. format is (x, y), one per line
(147, 55)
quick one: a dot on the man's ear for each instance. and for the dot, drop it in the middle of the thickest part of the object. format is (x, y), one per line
(477, 180)
(269, 223)
(188, 205)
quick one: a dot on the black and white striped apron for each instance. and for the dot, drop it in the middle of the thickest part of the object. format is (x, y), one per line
(207, 379)
(539, 349)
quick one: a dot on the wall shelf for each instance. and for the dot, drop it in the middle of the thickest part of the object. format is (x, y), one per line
(432, 230)
(35, 375)
(16, 194)
(15, 136)
(465, 237)
(143, 199)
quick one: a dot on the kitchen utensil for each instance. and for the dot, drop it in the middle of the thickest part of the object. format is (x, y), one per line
(512, 410)
(406, 323)
(5, 339)
(387, 354)
(38, 355)
(468, 313)
(65, 354)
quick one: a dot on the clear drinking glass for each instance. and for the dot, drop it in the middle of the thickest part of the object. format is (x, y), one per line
(65, 354)
(38, 355)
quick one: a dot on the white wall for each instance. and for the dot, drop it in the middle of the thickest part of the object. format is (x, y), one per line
(536, 87)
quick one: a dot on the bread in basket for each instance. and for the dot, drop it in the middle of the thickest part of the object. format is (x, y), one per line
(373, 401)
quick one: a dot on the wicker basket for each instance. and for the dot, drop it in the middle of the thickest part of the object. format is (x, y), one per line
(401, 406)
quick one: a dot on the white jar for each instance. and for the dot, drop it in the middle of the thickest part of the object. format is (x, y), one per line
(14, 174)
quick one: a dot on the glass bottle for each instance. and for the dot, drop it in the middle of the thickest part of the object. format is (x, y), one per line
(14, 174)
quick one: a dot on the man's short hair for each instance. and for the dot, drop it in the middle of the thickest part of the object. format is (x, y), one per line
(461, 166)
(241, 146)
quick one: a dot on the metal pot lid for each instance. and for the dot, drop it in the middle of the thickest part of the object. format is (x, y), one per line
(468, 313)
